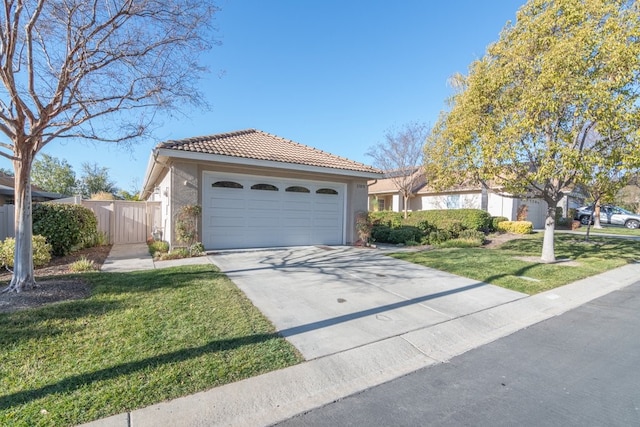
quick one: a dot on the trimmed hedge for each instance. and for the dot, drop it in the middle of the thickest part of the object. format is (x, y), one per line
(66, 227)
(495, 220)
(388, 218)
(434, 226)
(471, 219)
(518, 227)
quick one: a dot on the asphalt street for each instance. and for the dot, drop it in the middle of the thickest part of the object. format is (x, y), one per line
(581, 368)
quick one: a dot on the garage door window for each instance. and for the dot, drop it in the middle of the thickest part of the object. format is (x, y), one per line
(326, 191)
(266, 187)
(297, 189)
(226, 184)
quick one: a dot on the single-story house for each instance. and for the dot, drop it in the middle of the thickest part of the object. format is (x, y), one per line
(383, 195)
(257, 190)
(7, 192)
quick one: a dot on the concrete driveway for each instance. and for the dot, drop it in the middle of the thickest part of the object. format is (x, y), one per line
(326, 300)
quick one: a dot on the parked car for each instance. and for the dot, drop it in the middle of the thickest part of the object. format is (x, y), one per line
(609, 214)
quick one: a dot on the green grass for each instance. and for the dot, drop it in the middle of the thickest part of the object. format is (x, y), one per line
(609, 229)
(502, 267)
(141, 338)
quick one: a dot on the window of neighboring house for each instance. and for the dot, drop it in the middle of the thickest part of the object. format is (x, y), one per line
(453, 201)
(266, 187)
(226, 184)
(297, 189)
(380, 204)
(326, 191)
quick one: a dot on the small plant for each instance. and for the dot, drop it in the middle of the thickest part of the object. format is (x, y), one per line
(82, 265)
(157, 247)
(196, 249)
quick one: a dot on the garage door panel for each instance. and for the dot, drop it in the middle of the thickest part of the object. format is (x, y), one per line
(241, 218)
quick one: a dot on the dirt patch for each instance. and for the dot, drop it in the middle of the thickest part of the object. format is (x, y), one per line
(52, 288)
(495, 240)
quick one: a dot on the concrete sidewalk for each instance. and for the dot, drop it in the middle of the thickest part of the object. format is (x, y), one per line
(279, 395)
(135, 257)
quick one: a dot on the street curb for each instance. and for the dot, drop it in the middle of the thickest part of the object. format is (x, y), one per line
(279, 395)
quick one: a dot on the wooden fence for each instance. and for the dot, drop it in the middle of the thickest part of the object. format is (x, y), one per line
(120, 220)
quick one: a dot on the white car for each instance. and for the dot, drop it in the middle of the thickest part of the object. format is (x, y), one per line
(613, 215)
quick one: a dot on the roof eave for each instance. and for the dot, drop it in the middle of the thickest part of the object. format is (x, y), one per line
(189, 155)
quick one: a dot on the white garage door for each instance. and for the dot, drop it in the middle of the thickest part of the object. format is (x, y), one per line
(245, 211)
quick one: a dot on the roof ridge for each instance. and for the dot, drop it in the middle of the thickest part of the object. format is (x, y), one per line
(308, 146)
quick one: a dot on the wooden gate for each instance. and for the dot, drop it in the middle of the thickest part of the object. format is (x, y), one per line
(124, 221)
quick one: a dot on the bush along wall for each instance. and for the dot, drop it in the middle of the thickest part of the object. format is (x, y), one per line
(428, 227)
(66, 227)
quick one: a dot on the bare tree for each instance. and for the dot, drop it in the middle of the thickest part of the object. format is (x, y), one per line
(90, 69)
(400, 156)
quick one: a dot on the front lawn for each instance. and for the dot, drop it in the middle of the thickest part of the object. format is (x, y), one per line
(504, 266)
(141, 338)
(611, 229)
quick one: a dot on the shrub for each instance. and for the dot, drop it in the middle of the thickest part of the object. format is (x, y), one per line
(474, 219)
(439, 236)
(176, 253)
(66, 227)
(103, 195)
(82, 265)
(196, 249)
(523, 212)
(363, 226)
(388, 218)
(453, 226)
(518, 227)
(187, 224)
(380, 233)
(495, 220)
(157, 247)
(404, 234)
(41, 251)
(472, 235)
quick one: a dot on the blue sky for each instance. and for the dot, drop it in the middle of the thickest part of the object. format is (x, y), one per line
(332, 74)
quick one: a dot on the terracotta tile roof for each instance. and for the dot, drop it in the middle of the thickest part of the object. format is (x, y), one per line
(255, 144)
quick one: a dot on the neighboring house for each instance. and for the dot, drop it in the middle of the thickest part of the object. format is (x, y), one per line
(384, 196)
(7, 192)
(258, 190)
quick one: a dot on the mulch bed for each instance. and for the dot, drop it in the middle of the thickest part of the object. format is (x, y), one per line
(51, 288)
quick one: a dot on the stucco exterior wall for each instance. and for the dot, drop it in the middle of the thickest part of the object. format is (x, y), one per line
(357, 201)
(448, 201)
(184, 190)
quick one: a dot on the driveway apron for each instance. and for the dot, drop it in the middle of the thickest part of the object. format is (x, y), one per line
(325, 300)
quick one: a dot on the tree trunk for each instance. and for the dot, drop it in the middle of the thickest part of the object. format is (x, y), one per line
(23, 276)
(406, 200)
(596, 215)
(548, 242)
